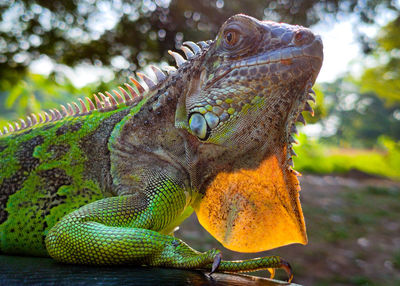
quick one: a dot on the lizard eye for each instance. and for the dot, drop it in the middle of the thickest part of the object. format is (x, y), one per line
(231, 37)
(198, 125)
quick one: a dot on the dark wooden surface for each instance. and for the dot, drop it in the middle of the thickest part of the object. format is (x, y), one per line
(18, 270)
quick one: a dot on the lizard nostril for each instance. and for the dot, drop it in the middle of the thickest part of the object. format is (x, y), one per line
(303, 36)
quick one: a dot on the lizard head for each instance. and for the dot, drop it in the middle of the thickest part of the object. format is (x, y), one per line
(252, 84)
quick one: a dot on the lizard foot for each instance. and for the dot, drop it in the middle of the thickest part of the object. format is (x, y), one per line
(288, 269)
(270, 263)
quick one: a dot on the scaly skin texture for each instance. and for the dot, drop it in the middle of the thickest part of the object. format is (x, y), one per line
(109, 186)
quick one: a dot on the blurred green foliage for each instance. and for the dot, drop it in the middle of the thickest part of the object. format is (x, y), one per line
(358, 118)
(383, 78)
(316, 157)
(35, 92)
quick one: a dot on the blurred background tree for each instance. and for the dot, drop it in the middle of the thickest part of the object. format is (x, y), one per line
(125, 34)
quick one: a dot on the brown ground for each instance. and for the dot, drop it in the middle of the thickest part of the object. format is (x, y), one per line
(353, 226)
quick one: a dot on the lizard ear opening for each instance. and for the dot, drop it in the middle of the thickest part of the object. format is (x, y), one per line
(254, 210)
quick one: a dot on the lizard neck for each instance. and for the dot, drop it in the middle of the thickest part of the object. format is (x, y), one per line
(148, 134)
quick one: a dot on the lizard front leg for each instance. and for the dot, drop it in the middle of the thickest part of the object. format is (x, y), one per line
(121, 230)
(111, 231)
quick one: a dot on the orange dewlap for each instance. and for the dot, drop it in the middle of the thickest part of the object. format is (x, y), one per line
(254, 210)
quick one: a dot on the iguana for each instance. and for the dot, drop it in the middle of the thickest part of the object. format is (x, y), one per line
(107, 181)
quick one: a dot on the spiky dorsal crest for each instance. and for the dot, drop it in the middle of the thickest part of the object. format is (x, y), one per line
(106, 102)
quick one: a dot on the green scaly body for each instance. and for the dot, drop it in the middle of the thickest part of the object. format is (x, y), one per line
(44, 173)
(109, 185)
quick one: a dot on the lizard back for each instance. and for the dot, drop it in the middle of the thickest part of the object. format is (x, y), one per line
(48, 171)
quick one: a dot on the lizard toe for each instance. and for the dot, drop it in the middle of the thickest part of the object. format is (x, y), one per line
(216, 263)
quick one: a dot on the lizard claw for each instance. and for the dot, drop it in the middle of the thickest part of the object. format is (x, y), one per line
(216, 263)
(288, 269)
(271, 272)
